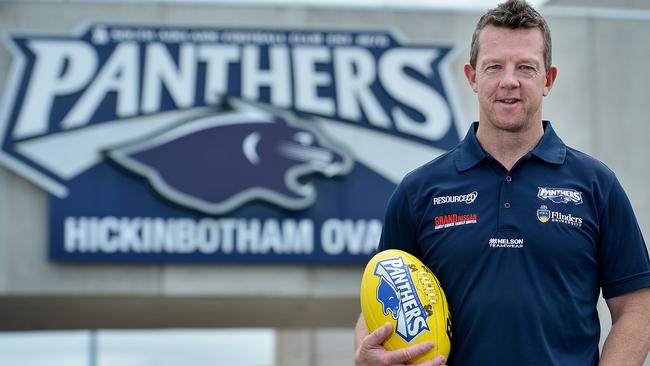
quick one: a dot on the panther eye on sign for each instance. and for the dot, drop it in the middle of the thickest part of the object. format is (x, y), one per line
(160, 143)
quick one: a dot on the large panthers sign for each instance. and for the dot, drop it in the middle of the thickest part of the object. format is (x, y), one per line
(202, 144)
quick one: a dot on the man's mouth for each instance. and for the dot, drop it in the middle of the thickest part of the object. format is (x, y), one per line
(508, 100)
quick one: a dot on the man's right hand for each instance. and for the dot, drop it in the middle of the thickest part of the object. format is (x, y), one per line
(371, 352)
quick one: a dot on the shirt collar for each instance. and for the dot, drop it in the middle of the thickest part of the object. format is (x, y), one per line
(550, 148)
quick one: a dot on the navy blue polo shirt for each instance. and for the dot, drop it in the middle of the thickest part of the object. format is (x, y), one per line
(521, 254)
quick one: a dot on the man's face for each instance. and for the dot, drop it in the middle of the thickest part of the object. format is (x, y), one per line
(510, 78)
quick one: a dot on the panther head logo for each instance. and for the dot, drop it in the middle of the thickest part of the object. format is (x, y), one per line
(388, 297)
(219, 162)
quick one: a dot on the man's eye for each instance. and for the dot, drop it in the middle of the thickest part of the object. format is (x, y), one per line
(527, 68)
(493, 67)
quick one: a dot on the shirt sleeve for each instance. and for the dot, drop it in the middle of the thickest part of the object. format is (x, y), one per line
(622, 254)
(399, 230)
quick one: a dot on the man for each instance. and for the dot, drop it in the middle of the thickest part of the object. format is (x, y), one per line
(553, 226)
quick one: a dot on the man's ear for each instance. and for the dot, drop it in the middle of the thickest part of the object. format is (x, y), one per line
(470, 74)
(550, 79)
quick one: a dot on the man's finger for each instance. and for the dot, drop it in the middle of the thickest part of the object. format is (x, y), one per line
(379, 335)
(437, 361)
(405, 354)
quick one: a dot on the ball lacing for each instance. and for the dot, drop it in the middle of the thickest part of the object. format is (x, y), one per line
(430, 291)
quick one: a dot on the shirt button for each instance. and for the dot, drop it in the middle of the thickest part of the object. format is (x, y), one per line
(508, 178)
(506, 205)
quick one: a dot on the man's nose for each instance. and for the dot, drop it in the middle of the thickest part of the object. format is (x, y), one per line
(509, 79)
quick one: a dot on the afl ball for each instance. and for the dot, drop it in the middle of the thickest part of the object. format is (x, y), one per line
(397, 287)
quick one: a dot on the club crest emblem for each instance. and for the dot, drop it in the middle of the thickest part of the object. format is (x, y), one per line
(543, 214)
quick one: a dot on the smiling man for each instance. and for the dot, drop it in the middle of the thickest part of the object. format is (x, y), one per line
(553, 226)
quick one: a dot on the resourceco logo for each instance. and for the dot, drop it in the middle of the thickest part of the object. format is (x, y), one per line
(465, 198)
(397, 294)
(127, 125)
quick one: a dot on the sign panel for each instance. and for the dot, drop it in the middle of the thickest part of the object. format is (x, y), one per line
(221, 144)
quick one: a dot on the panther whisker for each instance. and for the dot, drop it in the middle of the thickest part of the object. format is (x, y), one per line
(306, 153)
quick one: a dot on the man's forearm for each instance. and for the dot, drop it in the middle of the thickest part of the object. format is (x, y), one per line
(628, 341)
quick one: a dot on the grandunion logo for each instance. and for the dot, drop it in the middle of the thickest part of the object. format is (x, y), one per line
(445, 221)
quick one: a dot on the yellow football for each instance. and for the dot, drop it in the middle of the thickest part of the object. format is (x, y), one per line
(397, 287)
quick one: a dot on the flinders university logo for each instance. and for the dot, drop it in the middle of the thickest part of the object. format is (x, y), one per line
(396, 292)
(199, 144)
(543, 214)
